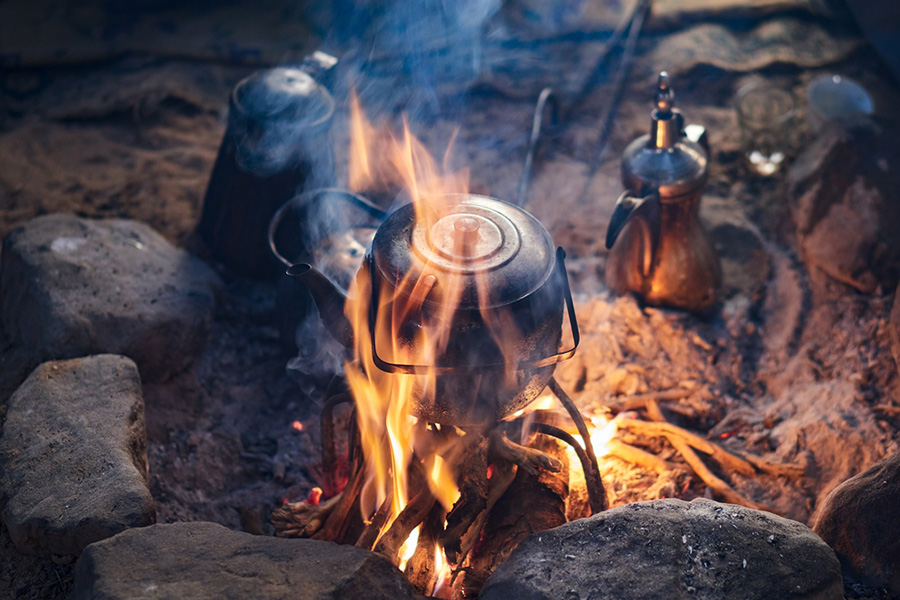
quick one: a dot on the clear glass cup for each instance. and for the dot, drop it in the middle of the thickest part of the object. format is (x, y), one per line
(765, 115)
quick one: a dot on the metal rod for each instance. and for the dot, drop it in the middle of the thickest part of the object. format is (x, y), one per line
(575, 414)
(637, 23)
(545, 96)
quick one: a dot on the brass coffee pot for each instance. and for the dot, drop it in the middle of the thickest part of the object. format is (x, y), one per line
(658, 247)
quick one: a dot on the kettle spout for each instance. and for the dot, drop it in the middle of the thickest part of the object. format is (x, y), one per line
(329, 300)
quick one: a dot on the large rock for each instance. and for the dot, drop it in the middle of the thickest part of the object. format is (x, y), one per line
(72, 287)
(73, 457)
(207, 561)
(671, 549)
(843, 200)
(894, 328)
(860, 520)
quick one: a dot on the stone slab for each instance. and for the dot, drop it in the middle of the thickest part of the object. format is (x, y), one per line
(73, 287)
(671, 549)
(73, 458)
(206, 561)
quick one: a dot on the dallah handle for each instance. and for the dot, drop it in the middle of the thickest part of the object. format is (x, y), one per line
(390, 367)
(645, 212)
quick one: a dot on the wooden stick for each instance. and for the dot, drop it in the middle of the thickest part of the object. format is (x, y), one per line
(593, 473)
(725, 491)
(636, 456)
(409, 518)
(372, 529)
(640, 400)
(596, 494)
(329, 452)
(504, 475)
(527, 458)
(473, 489)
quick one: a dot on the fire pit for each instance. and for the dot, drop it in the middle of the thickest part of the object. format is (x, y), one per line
(449, 438)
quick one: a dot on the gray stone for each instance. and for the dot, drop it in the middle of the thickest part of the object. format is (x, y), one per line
(203, 561)
(671, 549)
(73, 458)
(860, 520)
(72, 287)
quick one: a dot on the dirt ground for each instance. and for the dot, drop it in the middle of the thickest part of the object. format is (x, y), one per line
(792, 366)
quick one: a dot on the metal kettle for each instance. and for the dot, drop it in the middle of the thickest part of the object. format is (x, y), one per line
(659, 250)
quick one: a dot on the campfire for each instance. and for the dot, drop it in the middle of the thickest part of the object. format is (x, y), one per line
(454, 327)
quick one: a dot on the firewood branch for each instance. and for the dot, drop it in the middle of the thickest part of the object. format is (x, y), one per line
(302, 519)
(529, 459)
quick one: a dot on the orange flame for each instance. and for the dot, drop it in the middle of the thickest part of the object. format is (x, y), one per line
(395, 444)
(388, 431)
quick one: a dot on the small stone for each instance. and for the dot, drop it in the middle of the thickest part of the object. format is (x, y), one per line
(860, 520)
(73, 287)
(73, 459)
(672, 549)
(205, 561)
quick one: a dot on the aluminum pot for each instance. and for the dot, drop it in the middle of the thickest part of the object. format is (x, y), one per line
(495, 279)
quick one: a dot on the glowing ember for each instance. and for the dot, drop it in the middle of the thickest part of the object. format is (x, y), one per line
(297, 426)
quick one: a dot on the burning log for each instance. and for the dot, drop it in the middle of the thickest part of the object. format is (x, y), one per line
(472, 502)
(421, 570)
(535, 501)
(409, 518)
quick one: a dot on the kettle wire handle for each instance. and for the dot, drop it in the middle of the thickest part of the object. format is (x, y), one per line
(408, 369)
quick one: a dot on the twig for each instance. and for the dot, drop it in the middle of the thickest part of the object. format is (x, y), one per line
(527, 458)
(640, 400)
(636, 456)
(301, 519)
(681, 445)
(596, 494)
(776, 469)
(664, 428)
(597, 503)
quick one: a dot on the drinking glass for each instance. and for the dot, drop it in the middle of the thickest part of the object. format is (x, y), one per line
(765, 114)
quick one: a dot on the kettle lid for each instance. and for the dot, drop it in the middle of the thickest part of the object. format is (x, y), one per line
(482, 252)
